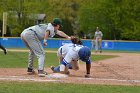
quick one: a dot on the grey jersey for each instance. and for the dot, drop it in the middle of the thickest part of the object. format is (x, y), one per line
(98, 34)
(41, 28)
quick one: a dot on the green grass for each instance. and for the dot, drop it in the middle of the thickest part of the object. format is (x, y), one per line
(92, 50)
(112, 51)
(20, 59)
(36, 87)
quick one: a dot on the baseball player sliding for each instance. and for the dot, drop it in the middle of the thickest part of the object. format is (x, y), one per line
(69, 55)
(32, 37)
(62, 51)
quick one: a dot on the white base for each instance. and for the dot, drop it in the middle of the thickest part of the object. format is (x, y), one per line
(56, 75)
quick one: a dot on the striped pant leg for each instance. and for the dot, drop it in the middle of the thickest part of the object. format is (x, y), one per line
(35, 46)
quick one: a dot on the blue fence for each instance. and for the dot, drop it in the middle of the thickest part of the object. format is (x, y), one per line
(56, 43)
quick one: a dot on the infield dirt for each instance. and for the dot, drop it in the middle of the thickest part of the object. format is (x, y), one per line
(121, 70)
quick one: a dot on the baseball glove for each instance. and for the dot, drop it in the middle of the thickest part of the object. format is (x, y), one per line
(100, 40)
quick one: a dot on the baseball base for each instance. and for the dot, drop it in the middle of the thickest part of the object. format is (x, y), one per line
(57, 75)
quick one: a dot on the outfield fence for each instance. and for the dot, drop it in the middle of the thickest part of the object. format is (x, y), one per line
(56, 43)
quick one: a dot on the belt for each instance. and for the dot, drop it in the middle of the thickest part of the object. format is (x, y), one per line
(34, 32)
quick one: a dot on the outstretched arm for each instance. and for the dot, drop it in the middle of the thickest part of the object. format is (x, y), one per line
(60, 33)
(88, 66)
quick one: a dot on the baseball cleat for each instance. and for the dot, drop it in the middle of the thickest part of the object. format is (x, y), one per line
(42, 73)
(87, 76)
(52, 68)
(30, 71)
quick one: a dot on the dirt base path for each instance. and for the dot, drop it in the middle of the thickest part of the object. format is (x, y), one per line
(121, 70)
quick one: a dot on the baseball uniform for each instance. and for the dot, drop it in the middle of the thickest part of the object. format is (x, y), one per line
(98, 40)
(32, 37)
(70, 55)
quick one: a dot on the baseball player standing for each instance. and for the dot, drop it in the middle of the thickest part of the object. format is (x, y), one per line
(32, 37)
(98, 40)
(71, 54)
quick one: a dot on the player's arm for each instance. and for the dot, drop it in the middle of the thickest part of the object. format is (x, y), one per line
(101, 34)
(61, 33)
(46, 37)
(88, 66)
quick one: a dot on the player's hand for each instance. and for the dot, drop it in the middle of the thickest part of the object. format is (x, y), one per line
(72, 37)
(44, 43)
(100, 40)
(87, 76)
(62, 72)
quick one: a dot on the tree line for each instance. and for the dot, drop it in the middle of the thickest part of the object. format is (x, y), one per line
(117, 19)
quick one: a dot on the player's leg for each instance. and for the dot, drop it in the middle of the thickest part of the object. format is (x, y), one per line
(58, 70)
(31, 56)
(96, 45)
(36, 47)
(39, 52)
(30, 60)
(74, 64)
(4, 49)
(100, 46)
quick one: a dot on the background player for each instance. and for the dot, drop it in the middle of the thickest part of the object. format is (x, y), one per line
(32, 37)
(98, 40)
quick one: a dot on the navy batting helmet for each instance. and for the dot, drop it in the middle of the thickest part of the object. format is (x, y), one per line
(84, 53)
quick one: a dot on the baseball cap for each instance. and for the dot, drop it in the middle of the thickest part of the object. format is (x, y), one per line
(57, 21)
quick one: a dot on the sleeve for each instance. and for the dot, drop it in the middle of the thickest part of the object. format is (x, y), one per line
(51, 29)
(95, 35)
(101, 34)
